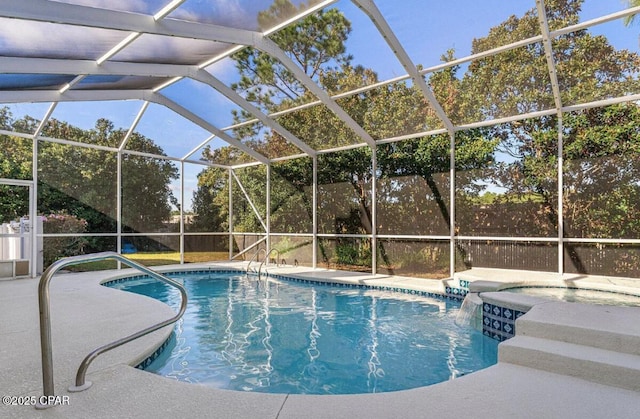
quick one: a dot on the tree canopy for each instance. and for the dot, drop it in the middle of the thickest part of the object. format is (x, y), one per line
(506, 174)
(82, 181)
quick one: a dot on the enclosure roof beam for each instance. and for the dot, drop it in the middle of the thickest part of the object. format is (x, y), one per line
(205, 77)
(25, 65)
(78, 15)
(58, 66)
(269, 47)
(548, 52)
(371, 10)
(105, 95)
(163, 100)
(19, 96)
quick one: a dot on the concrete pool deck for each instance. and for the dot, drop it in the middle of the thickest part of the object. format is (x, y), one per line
(86, 315)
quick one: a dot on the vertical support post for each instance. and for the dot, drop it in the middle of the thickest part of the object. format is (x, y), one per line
(268, 209)
(555, 88)
(32, 232)
(315, 212)
(230, 180)
(119, 205)
(34, 173)
(452, 204)
(560, 196)
(121, 149)
(33, 210)
(182, 212)
(374, 204)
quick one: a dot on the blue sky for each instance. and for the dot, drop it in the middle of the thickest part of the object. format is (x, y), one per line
(427, 29)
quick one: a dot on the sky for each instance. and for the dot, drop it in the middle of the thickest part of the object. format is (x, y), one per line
(426, 28)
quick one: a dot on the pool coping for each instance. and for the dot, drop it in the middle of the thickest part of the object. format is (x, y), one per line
(121, 390)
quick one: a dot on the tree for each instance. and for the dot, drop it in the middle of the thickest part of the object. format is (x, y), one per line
(292, 196)
(316, 44)
(15, 163)
(506, 175)
(81, 182)
(345, 177)
(602, 172)
(630, 19)
(88, 177)
(150, 178)
(210, 203)
(517, 81)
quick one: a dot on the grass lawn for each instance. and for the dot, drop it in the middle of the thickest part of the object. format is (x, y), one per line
(153, 259)
(171, 258)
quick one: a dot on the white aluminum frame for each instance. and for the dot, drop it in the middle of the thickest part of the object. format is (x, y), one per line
(159, 24)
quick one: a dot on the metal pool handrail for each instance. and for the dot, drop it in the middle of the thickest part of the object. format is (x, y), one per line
(255, 257)
(45, 318)
(266, 259)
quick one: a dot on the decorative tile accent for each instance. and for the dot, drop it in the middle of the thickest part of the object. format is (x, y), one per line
(499, 322)
(507, 327)
(455, 293)
(507, 314)
(144, 364)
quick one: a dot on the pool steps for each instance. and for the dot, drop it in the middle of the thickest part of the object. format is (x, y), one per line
(580, 361)
(611, 328)
(601, 345)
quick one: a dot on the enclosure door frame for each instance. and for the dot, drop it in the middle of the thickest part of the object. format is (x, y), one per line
(32, 252)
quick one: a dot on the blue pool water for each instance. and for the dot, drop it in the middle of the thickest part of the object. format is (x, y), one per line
(580, 295)
(279, 336)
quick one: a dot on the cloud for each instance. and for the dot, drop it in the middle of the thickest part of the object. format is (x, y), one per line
(233, 13)
(136, 6)
(24, 38)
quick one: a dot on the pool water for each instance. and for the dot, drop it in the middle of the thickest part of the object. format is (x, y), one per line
(580, 295)
(278, 336)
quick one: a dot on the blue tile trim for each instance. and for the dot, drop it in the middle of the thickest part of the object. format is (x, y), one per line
(172, 273)
(364, 286)
(148, 360)
(456, 294)
(499, 322)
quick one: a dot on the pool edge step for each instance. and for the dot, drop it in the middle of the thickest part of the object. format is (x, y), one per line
(580, 361)
(605, 327)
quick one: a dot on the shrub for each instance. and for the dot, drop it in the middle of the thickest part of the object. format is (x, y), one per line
(59, 247)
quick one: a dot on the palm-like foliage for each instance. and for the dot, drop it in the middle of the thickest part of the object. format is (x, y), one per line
(629, 19)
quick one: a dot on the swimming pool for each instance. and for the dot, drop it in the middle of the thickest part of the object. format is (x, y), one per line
(282, 336)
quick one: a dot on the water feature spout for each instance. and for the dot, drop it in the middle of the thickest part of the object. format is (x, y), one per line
(470, 314)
